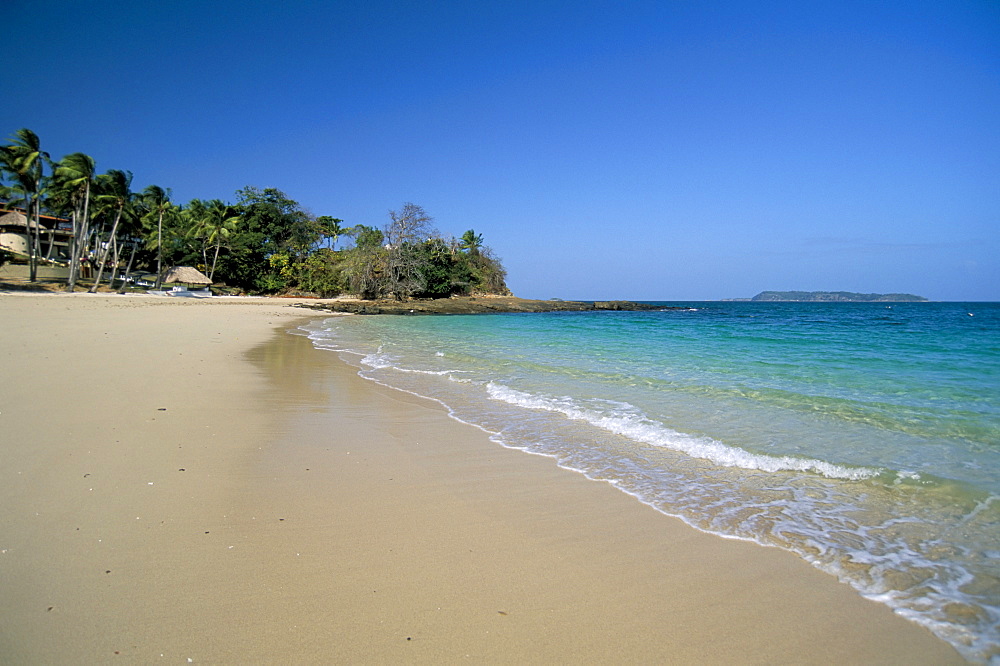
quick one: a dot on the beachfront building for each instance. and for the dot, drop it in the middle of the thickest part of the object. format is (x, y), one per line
(16, 231)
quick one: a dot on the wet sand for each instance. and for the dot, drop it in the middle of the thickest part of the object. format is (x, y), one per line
(183, 478)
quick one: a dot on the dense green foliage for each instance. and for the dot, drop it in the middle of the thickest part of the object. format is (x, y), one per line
(265, 242)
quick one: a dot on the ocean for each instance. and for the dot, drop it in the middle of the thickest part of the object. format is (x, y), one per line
(863, 437)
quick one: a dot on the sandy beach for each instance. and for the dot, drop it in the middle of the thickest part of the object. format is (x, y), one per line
(182, 481)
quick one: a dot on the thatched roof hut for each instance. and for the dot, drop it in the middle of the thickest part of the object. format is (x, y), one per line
(186, 275)
(14, 218)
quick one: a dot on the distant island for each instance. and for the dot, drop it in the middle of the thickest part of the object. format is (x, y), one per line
(832, 296)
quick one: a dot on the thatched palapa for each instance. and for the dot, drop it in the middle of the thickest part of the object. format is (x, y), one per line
(16, 219)
(186, 275)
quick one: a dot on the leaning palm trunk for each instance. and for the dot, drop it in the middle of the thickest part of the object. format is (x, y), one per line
(104, 254)
(114, 263)
(81, 229)
(75, 242)
(52, 243)
(159, 251)
(85, 227)
(211, 273)
(38, 233)
(128, 269)
(33, 243)
(37, 249)
(71, 280)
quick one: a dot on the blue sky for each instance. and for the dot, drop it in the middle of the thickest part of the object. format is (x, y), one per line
(642, 150)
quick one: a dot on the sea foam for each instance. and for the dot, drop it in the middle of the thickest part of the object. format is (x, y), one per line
(642, 429)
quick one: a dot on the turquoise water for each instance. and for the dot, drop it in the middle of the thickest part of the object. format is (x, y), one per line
(863, 437)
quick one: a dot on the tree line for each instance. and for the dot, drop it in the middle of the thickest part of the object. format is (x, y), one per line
(263, 243)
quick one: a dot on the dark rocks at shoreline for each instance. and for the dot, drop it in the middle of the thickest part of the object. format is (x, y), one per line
(473, 305)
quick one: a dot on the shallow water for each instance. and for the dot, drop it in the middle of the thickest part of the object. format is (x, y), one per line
(863, 437)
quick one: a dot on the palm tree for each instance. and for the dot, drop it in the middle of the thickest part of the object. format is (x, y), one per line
(157, 200)
(74, 176)
(167, 236)
(131, 233)
(23, 160)
(219, 226)
(193, 216)
(331, 228)
(116, 198)
(471, 242)
(212, 222)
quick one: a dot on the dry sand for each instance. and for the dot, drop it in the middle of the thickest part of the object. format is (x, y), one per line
(183, 481)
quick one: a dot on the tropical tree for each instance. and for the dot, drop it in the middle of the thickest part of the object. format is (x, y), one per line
(366, 263)
(191, 216)
(471, 242)
(156, 200)
(116, 199)
(23, 161)
(74, 178)
(409, 224)
(323, 273)
(407, 228)
(410, 259)
(270, 224)
(131, 233)
(168, 237)
(443, 272)
(215, 223)
(331, 227)
(488, 274)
